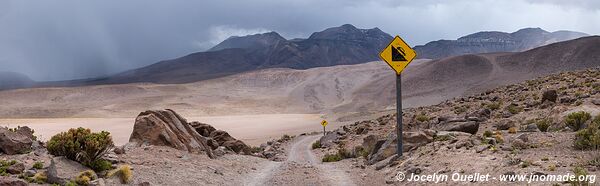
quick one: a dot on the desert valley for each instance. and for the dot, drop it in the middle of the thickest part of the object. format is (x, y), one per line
(248, 111)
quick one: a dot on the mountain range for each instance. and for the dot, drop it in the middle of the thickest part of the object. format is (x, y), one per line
(488, 42)
(343, 45)
(359, 88)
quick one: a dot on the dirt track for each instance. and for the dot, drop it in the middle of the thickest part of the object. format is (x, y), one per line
(301, 168)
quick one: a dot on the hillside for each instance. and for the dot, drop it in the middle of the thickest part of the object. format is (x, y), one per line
(493, 41)
(518, 129)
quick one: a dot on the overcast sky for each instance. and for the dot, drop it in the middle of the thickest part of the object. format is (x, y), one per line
(54, 40)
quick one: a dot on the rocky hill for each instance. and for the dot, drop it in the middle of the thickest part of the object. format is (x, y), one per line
(544, 126)
(488, 42)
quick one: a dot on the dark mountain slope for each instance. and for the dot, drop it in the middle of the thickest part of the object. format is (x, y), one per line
(334, 46)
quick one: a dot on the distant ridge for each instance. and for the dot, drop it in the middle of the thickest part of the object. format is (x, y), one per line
(487, 42)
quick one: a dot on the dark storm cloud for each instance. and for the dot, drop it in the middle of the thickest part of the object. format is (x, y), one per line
(51, 40)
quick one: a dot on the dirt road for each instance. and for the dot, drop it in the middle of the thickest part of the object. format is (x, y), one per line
(301, 168)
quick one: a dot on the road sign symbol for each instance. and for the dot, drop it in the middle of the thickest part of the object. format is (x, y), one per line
(324, 123)
(398, 54)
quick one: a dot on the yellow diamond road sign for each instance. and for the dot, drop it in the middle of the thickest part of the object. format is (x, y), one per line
(324, 123)
(398, 54)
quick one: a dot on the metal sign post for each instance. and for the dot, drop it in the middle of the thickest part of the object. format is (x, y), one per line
(398, 55)
(399, 114)
(324, 123)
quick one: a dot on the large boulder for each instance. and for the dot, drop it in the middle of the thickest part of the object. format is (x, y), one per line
(224, 139)
(9, 181)
(221, 136)
(410, 141)
(469, 127)
(167, 128)
(505, 124)
(549, 95)
(329, 139)
(62, 170)
(237, 146)
(369, 142)
(15, 142)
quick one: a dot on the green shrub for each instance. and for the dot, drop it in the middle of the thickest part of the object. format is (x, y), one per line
(576, 120)
(543, 124)
(40, 178)
(442, 137)
(83, 180)
(361, 151)
(422, 117)
(345, 153)
(340, 155)
(487, 134)
(80, 145)
(460, 109)
(596, 119)
(332, 157)
(4, 164)
(316, 144)
(579, 171)
(38, 165)
(85, 177)
(588, 138)
(70, 183)
(494, 105)
(513, 109)
(285, 137)
(595, 161)
(100, 165)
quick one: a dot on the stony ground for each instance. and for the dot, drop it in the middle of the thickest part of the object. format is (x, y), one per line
(523, 149)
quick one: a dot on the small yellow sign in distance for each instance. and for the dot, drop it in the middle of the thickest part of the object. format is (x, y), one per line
(324, 123)
(398, 54)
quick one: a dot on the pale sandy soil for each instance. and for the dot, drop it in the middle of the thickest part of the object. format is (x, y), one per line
(252, 129)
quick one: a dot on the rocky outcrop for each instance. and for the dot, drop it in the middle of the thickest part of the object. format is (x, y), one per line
(410, 141)
(224, 139)
(203, 128)
(330, 139)
(218, 138)
(167, 128)
(467, 126)
(62, 170)
(17, 141)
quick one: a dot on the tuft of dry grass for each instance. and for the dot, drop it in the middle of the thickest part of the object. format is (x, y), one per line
(512, 130)
(124, 172)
